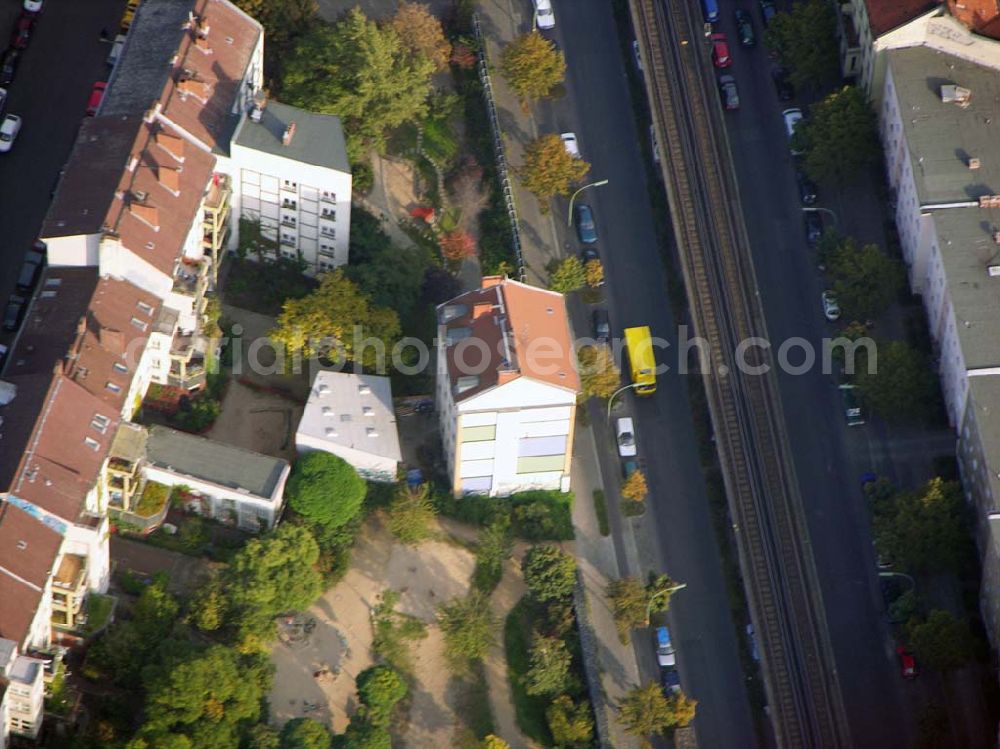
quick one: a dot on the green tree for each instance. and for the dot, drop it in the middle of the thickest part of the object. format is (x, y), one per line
(325, 489)
(632, 602)
(599, 374)
(411, 513)
(549, 573)
(532, 66)
(208, 606)
(568, 275)
(305, 733)
(549, 170)
(866, 280)
(805, 40)
(421, 33)
(839, 137)
(550, 660)
(571, 725)
(282, 20)
(493, 549)
(903, 386)
(941, 641)
(468, 625)
(273, 575)
(328, 321)
(379, 689)
(361, 72)
(493, 742)
(263, 736)
(645, 711)
(361, 734)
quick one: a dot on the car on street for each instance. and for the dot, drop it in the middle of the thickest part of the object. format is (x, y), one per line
(752, 639)
(544, 16)
(852, 408)
(585, 228)
(33, 6)
(629, 467)
(720, 51)
(21, 35)
(96, 97)
(814, 227)
(587, 254)
(13, 312)
(31, 268)
(784, 87)
(792, 118)
(3, 101)
(572, 144)
(8, 66)
(729, 93)
(602, 325)
(3, 355)
(637, 53)
(744, 29)
(670, 681)
(907, 663)
(807, 188)
(654, 145)
(625, 436)
(9, 129)
(665, 654)
(767, 11)
(831, 310)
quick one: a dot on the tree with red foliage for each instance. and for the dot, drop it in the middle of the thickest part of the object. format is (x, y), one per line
(457, 245)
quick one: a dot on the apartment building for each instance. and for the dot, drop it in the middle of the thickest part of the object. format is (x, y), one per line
(22, 693)
(507, 387)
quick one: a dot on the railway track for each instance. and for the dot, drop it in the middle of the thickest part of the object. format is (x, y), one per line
(775, 556)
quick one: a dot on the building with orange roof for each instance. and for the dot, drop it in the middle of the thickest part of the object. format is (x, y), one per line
(507, 387)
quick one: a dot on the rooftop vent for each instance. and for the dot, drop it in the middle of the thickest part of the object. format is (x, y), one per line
(974, 163)
(364, 390)
(371, 432)
(993, 270)
(328, 411)
(22, 545)
(989, 201)
(368, 411)
(996, 237)
(286, 138)
(952, 94)
(330, 432)
(323, 388)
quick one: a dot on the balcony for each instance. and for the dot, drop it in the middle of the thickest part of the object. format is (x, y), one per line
(328, 197)
(215, 220)
(191, 276)
(289, 222)
(288, 242)
(69, 587)
(327, 232)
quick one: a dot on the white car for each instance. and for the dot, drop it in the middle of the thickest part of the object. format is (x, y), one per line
(544, 16)
(831, 310)
(8, 131)
(638, 54)
(655, 144)
(33, 6)
(626, 437)
(572, 145)
(793, 118)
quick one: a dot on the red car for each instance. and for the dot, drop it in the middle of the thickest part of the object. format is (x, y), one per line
(21, 35)
(96, 95)
(907, 663)
(720, 51)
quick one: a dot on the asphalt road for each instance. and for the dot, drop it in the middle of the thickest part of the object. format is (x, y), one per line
(50, 93)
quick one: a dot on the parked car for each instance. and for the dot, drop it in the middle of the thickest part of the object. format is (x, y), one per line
(728, 91)
(13, 312)
(27, 277)
(585, 228)
(744, 29)
(3, 101)
(637, 53)
(752, 639)
(544, 16)
(907, 663)
(116, 50)
(587, 254)
(625, 434)
(96, 97)
(8, 66)
(831, 310)
(807, 188)
(767, 11)
(21, 34)
(720, 51)
(629, 467)
(814, 227)
(665, 654)
(852, 409)
(572, 145)
(9, 129)
(792, 117)
(670, 681)
(784, 87)
(33, 6)
(654, 144)
(602, 325)
(3, 355)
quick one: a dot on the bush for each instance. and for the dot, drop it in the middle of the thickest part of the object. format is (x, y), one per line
(549, 573)
(325, 489)
(410, 515)
(468, 627)
(542, 515)
(494, 548)
(379, 689)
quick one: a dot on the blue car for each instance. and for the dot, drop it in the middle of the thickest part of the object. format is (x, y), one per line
(585, 228)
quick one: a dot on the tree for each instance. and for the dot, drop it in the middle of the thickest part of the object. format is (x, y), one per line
(839, 138)
(532, 66)
(361, 734)
(493, 549)
(866, 280)
(632, 602)
(325, 489)
(457, 245)
(493, 742)
(599, 375)
(282, 20)
(421, 33)
(263, 736)
(568, 275)
(646, 710)
(634, 487)
(468, 625)
(208, 607)
(305, 733)
(571, 725)
(379, 689)
(549, 170)
(361, 72)
(903, 387)
(941, 641)
(805, 40)
(273, 575)
(411, 513)
(549, 573)
(595, 273)
(549, 667)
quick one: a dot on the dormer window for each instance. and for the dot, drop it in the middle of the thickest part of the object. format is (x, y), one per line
(100, 422)
(92, 443)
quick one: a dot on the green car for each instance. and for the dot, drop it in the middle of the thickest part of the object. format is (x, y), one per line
(744, 29)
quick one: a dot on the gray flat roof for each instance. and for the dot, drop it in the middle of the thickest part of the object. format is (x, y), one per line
(318, 139)
(215, 462)
(967, 250)
(984, 393)
(943, 136)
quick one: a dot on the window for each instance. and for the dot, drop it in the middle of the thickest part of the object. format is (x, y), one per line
(119, 367)
(327, 232)
(92, 443)
(329, 214)
(289, 185)
(289, 203)
(53, 281)
(329, 197)
(137, 323)
(113, 387)
(100, 423)
(48, 294)
(147, 308)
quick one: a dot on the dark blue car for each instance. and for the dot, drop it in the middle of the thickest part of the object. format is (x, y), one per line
(585, 228)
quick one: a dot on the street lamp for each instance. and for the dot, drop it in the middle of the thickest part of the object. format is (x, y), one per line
(618, 392)
(668, 591)
(836, 223)
(569, 214)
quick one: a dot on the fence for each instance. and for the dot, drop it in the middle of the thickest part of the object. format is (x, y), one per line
(503, 174)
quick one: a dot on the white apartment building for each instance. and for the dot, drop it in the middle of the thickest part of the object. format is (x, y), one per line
(22, 693)
(293, 179)
(352, 416)
(506, 388)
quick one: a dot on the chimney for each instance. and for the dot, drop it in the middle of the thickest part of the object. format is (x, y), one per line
(491, 281)
(170, 143)
(481, 308)
(112, 340)
(147, 213)
(201, 43)
(170, 178)
(286, 139)
(974, 162)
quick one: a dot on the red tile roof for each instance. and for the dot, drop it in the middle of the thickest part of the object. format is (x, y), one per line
(981, 16)
(886, 15)
(28, 552)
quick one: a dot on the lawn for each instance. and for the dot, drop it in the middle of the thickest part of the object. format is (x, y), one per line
(154, 497)
(99, 608)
